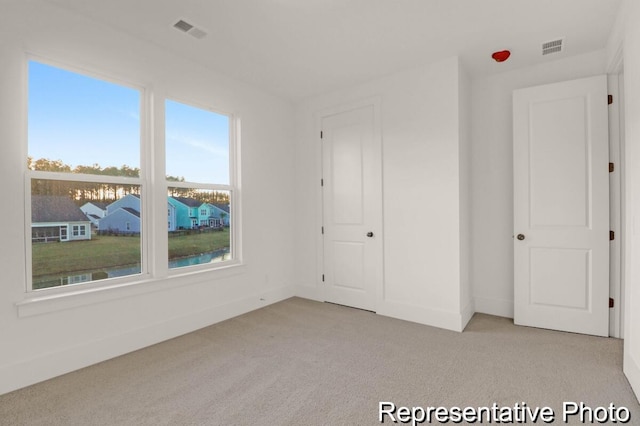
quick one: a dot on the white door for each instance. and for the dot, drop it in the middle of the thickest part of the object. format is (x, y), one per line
(561, 206)
(352, 207)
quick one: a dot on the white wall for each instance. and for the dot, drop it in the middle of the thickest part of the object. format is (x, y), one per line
(55, 336)
(630, 35)
(492, 173)
(421, 190)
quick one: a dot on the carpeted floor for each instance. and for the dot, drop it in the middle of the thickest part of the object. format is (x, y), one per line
(300, 362)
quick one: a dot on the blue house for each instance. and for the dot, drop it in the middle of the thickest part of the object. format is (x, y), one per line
(124, 220)
(123, 216)
(220, 214)
(171, 217)
(187, 214)
(130, 200)
(191, 213)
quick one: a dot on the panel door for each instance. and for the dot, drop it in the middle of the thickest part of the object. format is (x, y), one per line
(352, 208)
(561, 206)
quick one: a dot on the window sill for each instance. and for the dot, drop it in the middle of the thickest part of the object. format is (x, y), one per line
(41, 302)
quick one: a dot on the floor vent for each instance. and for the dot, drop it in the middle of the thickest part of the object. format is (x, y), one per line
(553, 46)
(190, 29)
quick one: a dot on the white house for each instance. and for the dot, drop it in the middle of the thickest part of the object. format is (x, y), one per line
(57, 218)
(390, 118)
(94, 210)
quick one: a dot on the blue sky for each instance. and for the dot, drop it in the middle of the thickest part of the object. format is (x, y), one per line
(197, 143)
(82, 121)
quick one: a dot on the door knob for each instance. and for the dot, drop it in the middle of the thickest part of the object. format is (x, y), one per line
(369, 234)
(520, 237)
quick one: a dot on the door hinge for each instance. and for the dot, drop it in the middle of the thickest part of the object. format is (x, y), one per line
(609, 99)
(321, 134)
(322, 277)
(611, 167)
(611, 302)
(612, 235)
(321, 182)
(322, 229)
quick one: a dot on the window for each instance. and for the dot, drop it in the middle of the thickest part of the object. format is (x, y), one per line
(89, 184)
(83, 147)
(199, 147)
(78, 230)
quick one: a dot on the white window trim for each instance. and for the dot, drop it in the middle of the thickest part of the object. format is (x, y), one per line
(154, 274)
(72, 177)
(42, 302)
(234, 189)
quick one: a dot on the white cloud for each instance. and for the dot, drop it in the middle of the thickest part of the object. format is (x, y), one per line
(206, 146)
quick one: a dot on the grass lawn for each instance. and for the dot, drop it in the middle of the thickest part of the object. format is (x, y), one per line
(103, 252)
(188, 245)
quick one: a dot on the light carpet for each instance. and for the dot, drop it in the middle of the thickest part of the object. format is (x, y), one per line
(300, 362)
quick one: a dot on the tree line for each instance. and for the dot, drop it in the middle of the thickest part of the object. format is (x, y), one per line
(82, 192)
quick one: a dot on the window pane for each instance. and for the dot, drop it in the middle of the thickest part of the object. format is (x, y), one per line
(199, 226)
(83, 231)
(81, 124)
(197, 144)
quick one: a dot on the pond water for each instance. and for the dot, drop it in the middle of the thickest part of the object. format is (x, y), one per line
(66, 279)
(210, 257)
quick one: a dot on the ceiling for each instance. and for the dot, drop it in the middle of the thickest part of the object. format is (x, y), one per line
(298, 48)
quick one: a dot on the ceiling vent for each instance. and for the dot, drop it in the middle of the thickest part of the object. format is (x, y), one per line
(553, 46)
(190, 29)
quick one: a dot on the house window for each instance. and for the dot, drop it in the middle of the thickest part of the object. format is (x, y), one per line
(83, 146)
(200, 148)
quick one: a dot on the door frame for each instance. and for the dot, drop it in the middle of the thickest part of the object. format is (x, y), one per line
(375, 102)
(617, 203)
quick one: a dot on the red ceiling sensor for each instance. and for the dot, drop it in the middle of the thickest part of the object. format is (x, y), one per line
(501, 56)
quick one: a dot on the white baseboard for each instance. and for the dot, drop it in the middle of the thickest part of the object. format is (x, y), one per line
(467, 314)
(433, 317)
(309, 292)
(48, 365)
(497, 307)
(632, 371)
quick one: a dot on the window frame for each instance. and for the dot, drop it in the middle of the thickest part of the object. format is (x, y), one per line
(153, 185)
(233, 188)
(142, 180)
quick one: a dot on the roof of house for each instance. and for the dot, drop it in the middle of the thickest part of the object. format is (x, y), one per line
(134, 212)
(190, 202)
(55, 208)
(122, 198)
(93, 216)
(100, 204)
(224, 207)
